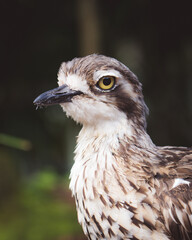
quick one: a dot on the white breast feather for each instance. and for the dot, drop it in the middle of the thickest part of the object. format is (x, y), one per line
(179, 181)
(98, 147)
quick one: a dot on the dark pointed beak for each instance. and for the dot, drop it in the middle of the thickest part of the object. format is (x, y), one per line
(58, 95)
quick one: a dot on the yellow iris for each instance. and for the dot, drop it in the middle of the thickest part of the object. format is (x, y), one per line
(106, 83)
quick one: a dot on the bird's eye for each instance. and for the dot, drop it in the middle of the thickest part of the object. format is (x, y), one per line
(106, 83)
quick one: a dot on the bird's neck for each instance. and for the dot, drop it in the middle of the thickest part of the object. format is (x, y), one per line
(101, 149)
(112, 132)
(112, 141)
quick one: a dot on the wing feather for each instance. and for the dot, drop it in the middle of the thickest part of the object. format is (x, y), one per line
(176, 197)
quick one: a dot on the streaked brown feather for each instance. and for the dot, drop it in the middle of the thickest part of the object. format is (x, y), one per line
(179, 199)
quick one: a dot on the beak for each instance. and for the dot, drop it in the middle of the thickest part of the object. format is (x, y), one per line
(58, 95)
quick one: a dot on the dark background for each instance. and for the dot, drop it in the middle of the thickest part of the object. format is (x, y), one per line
(153, 38)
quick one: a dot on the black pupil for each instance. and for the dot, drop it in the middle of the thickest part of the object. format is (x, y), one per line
(106, 81)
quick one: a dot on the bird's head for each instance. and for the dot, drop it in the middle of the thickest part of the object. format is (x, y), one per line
(95, 89)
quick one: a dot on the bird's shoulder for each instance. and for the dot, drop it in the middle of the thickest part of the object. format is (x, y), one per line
(174, 190)
(177, 161)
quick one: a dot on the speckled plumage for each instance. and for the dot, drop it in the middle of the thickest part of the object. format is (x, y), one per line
(125, 187)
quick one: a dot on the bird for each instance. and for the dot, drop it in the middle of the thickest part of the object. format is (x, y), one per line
(125, 186)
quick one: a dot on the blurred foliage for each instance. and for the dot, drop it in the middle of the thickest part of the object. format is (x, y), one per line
(15, 142)
(42, 209)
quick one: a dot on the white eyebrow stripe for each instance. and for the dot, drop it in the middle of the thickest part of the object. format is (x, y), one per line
(179, 181)
(101, 73)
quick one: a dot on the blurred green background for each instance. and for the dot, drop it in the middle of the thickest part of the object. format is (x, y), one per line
(153, 38)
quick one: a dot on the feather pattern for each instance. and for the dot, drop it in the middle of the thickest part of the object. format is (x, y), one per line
(135, 189)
